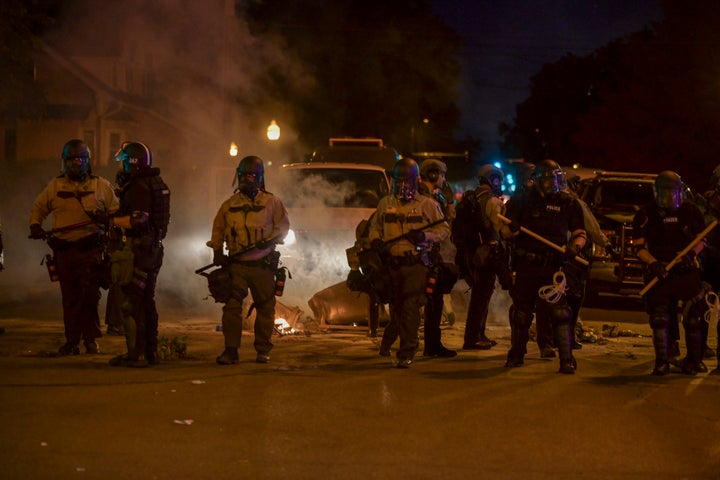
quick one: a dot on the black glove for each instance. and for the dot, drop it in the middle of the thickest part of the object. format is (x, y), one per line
(37, 232)
(416, 237)
(514, 226)
(571, 251)
(657, 269)
(448, 193)
(689, 259)
(219, 258)
(100, 217)
(377, 245)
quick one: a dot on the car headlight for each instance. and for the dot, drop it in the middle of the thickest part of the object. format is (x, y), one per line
(289, 238)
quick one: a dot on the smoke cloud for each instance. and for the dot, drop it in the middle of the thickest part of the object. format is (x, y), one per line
(207, 73)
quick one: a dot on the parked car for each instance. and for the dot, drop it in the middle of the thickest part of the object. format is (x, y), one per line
(614, 198)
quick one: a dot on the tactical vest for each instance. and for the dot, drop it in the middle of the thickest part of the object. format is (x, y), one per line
(160, 216)
(548, 217)
(669, 234)
(471, 226)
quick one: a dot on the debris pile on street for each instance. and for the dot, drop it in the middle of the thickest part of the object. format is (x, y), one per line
(590, 335)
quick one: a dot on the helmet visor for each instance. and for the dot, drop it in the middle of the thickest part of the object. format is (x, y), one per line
(248, 182)
(496, 185)
(668, 197)
(548, 184)
(76, 167)
(404, 188)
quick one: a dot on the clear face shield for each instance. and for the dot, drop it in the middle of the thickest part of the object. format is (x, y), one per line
(76, 167)
(404, 189)
(496, 185)
(669, 198)
(124, 158)
(248, 183)
(549, 184)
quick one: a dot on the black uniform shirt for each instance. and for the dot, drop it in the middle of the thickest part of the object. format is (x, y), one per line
(667, 233)
(137, 196)
(553, 217)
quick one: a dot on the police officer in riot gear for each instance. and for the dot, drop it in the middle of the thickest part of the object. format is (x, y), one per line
(480, 254)
(249, 224)
(556, 216)
(143, 217)
(663, 229)
(401, 231)
(79, 203)
(432, 176)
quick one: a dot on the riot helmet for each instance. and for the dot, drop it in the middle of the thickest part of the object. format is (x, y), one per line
(431, 170)
(405, 179)
(669, 190)
(716, 180)
(525, 173)
(251, 176)
(76, 160)
(549, 177)
(134, 156)
(493, 177)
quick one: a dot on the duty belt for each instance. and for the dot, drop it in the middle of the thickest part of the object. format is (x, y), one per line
(536, 258)
(262, 262)
(86, 243)
(397, 261)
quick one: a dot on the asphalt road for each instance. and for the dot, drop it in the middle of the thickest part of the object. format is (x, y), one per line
(327, 406)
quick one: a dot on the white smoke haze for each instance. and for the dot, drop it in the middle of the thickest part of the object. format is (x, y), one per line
(324, 227)
(212, 71)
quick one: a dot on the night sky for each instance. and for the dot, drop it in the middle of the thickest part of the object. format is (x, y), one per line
(508, 41)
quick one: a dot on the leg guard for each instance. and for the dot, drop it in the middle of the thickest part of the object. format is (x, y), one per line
(561, 317)
(519, 328)
(564, 335)
(659, 322)
(693, 311)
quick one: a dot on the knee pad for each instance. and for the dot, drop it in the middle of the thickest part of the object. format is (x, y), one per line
(560, 315)
(660, 317)
(520, 318)
(694, 312)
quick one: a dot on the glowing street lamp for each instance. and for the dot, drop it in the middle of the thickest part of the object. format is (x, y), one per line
(233, 149)
(273, 131)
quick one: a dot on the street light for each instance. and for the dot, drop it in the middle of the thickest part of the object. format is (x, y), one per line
(233, 149)
(273, 131)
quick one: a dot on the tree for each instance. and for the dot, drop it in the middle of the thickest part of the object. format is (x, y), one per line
(378, 68)
(646, 102)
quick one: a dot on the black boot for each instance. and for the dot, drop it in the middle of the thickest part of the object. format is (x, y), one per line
(518, 346)
(564, 337)
(693, 363)
(661, 344)
(229, 356)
